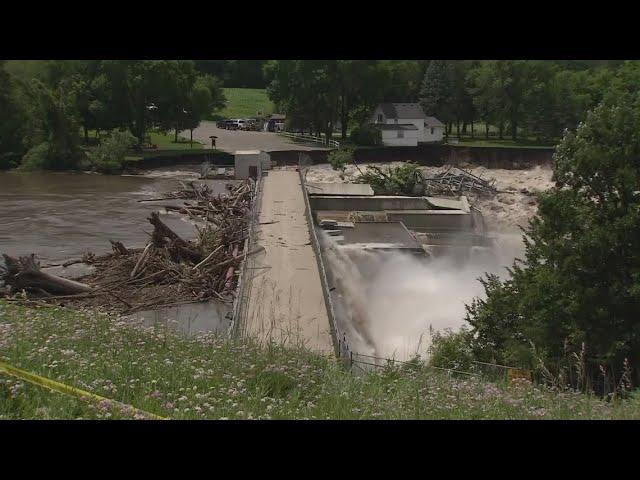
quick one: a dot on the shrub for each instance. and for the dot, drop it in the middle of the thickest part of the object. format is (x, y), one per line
(403, 180)
(36, 158)
(340, 158)
(366, 135)
(452, 350)
(108, 157)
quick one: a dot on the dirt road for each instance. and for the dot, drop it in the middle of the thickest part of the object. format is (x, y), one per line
(232, 140)
(286, 302)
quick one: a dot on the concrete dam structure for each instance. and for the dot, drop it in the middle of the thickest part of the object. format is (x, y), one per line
(322, 244)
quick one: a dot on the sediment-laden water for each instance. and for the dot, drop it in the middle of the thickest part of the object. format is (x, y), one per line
(59, 216)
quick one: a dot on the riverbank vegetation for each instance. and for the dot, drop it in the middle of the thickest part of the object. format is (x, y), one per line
(569, 308)
(49, 108)
(213, 377)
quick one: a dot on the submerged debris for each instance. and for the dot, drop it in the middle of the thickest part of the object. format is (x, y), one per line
(456, 181)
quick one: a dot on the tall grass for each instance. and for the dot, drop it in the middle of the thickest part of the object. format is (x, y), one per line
(159, 371)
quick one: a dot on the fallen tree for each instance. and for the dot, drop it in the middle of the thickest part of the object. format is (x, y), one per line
(406, 179)
(24, 273)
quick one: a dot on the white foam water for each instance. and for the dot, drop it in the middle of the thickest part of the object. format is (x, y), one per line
(388, 305)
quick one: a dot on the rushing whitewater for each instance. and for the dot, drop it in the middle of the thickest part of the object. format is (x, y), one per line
(388, 304)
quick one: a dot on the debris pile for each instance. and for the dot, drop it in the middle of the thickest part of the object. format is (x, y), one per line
(168, 270)
(456, 181)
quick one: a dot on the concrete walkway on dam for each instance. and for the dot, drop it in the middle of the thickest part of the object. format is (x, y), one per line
(285, 298)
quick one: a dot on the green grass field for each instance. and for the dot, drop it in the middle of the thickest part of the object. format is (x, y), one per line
(246, 103)
(157, 371)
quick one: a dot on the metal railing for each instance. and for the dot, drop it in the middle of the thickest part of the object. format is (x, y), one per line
(311, 138)
(481, 370)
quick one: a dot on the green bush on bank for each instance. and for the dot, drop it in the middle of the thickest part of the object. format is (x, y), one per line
(340, 158)
(452, 350)
(109, 156)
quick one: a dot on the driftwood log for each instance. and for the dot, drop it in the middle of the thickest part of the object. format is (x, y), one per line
(24, 274)
(178, 248)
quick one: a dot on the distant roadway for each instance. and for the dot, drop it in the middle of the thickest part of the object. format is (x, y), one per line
(232, 140)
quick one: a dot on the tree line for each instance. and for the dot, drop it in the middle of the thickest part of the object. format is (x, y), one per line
(235, 73)
(534, 99)
(48, 107)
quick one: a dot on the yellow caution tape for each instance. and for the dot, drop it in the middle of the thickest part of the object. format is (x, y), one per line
(66, 389)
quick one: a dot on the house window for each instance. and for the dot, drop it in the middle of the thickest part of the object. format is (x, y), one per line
(379, 118)
(431, 130)
(400, 133)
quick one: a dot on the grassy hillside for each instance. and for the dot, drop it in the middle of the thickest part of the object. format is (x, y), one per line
(211, 377)
(246, 103)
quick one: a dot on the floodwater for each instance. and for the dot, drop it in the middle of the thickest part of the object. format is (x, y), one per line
(191, 318)
(61, 216)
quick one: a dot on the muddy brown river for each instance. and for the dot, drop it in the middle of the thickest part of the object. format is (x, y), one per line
(61, 216)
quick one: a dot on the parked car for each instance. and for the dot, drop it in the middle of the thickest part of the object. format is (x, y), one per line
(231, 124)
(242, 124)
(252, 125)
(221, 124)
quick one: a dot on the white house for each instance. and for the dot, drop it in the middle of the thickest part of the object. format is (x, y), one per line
(406, 124)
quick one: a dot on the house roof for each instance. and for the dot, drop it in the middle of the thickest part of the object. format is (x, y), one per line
(402, 110)
(396, 126)
(433, 122)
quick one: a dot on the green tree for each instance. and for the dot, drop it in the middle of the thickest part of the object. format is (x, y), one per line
(483, 89)
(52, 130)
(306, 91)
(11, 120)
(462, 102)
(319, 94)
(367, 135)
(109, 156)
(579, 283)
(203, 99)
(402, 79)
(437, 92)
